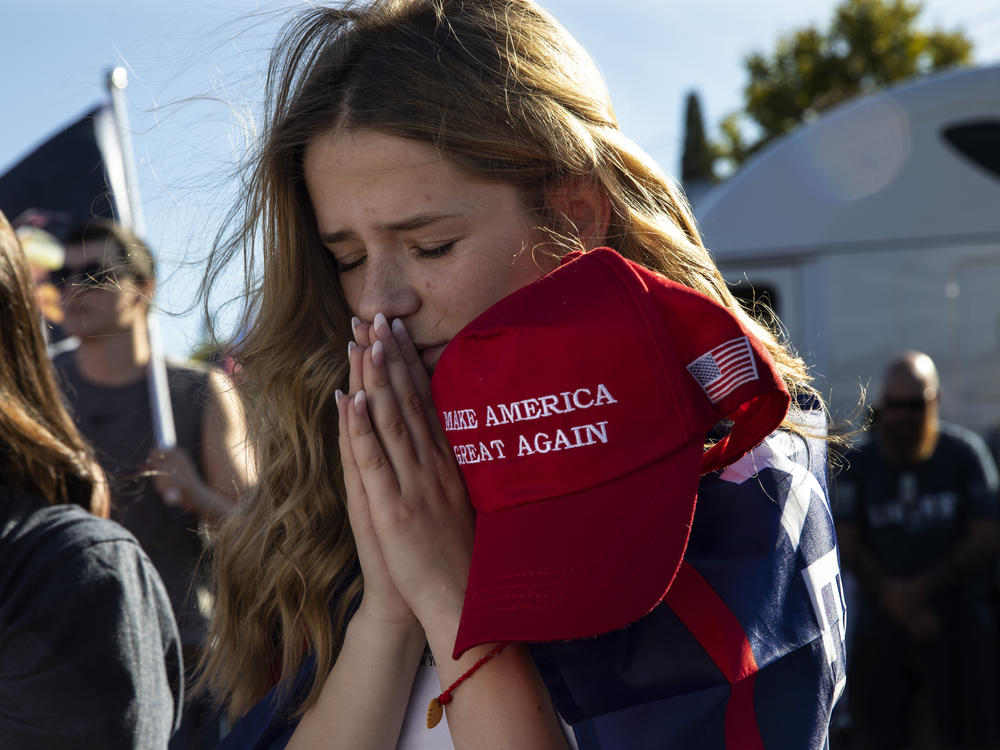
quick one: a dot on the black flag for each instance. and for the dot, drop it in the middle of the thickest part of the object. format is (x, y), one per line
(75, 175)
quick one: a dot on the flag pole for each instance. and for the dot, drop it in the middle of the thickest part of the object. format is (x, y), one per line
(159, 390)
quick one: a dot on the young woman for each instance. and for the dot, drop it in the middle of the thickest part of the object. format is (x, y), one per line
(89, 651)
(425, 159)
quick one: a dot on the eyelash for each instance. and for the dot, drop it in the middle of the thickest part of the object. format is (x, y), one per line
(344, 267)
(435, 252)
(425, 253)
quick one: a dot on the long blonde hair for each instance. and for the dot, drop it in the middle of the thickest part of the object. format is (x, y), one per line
(505, 93)
(41, 451)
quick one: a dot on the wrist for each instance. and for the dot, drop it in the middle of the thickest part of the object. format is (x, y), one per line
(440, 622)
(392, 626)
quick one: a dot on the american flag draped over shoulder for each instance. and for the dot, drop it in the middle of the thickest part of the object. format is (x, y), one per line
(747, 650)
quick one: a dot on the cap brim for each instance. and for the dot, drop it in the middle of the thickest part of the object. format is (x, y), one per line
(582, 564)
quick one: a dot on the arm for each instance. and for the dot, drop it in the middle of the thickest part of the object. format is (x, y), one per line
(363, 702)
(977, 549)
(422, 519)
(364, 699)
(980, 539)
(907, 599)
(226, 457)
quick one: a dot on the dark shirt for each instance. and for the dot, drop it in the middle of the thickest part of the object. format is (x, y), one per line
(118, 422)
(912, 518)
(89, 652)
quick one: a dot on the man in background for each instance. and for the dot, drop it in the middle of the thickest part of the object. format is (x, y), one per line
(169, 499)
(917, 525)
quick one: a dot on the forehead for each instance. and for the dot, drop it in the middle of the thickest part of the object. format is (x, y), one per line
(92, 251)
(365, 176)
(901, 385)
(368, 154)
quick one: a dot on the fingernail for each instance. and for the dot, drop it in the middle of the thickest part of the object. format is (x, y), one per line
(377, 354)
(381, 325)
(355, 324)
(359, 402)
(337, 395)
(351, 346)
(398, 328)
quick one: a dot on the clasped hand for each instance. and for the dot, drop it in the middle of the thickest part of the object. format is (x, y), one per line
(407, 503)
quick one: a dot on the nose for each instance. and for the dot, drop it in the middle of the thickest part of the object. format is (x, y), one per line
(385, 287)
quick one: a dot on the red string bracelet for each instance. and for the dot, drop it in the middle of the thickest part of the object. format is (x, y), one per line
(436, 708)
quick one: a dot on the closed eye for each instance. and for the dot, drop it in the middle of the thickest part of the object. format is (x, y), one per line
(435, 252)
(343, 267)
(438, 251)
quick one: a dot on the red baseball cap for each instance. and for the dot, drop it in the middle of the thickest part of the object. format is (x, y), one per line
(578, 409)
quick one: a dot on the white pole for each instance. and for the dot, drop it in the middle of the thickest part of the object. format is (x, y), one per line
(159, 390)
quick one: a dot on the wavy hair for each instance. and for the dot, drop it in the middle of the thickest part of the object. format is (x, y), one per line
(41, 451)
(504, 93)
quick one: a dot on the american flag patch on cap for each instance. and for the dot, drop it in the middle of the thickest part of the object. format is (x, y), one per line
(725, 368)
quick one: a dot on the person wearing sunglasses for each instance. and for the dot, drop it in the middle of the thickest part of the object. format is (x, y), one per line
(168, 499)
(917, 523)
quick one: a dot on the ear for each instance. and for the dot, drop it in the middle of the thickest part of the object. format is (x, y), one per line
(582, 210)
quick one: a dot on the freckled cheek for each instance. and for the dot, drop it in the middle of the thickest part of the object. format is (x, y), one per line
(450, 300)
(438, 294)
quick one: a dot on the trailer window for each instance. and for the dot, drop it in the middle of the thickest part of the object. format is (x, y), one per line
(978, 141)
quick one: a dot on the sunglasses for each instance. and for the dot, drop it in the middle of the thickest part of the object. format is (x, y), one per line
(92, 275)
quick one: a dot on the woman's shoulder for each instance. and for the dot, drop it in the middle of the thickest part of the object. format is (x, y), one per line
(40, 542)
(27, 517)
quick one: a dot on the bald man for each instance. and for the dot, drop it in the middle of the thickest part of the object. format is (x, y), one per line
(917, 517)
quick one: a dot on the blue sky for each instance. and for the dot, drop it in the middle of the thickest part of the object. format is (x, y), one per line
(195, 70)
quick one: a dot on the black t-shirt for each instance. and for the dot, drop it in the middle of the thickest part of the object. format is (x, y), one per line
(89, 651)
(118, 423)
(913, 518)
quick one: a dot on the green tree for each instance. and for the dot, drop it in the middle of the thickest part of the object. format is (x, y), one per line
(869, 44)
(697, 161)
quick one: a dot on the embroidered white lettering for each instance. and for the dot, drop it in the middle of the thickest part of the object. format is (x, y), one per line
(464, 419)
(589, 434)
(599, 431)
(531, 410)
(541, 407)
(509, 413)
(484, 453)
(497, 445)
(523, 446)
(548, 404)
(562, 442)
(583, 435)
(475, 453)
(604, 396)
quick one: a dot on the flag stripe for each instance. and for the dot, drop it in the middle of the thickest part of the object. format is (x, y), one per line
(725, 368)
(720, 633)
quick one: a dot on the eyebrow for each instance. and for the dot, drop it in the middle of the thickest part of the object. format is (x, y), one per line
(414, 222)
